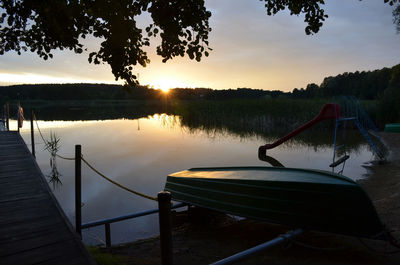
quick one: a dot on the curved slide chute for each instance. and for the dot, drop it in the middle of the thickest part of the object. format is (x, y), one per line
(328, 112)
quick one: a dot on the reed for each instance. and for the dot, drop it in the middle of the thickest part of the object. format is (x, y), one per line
(53, 146)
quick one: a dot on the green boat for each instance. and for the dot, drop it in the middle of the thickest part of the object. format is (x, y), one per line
(310, 199)
(392, 127)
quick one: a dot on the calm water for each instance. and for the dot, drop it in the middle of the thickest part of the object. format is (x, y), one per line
(141, 153)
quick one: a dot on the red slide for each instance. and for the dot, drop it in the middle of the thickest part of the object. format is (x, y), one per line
(329, 111)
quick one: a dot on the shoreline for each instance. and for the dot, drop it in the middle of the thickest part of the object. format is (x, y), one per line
(383, 185)
(216, 236)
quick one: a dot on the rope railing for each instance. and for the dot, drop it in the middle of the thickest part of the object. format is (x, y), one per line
(65, 158)
(94, 169)
(118, 184)
(163, 198)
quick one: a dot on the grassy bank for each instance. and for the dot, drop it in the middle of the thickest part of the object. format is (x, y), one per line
(105, 258)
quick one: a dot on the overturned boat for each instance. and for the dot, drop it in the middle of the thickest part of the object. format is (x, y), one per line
(309, 199)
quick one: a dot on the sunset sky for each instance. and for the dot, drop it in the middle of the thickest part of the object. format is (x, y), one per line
(250, 49)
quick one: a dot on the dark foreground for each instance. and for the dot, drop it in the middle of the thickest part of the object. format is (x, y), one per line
(206, 239)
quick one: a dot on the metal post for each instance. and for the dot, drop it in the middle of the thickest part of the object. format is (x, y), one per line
(78, 187)
(18, 115)
(4, 114)
(251, 251)
(164, 206)
(108, 235)
(8, 116)
(32, 134)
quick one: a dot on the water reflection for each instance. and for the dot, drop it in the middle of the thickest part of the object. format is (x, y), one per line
(270, 160)
(140, 153)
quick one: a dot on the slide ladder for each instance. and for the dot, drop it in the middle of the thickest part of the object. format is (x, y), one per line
(352, 109)
(348, 109)
(340, 154)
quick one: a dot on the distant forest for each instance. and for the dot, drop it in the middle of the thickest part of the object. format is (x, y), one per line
(379, 89)
(371, 85)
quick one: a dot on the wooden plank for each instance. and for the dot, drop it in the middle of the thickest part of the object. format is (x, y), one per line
(33, 227)
(27, 215)
(21, 197)
(14, 168)
(8, 180)
(18, 173)
(12, 206)
(58, 252)
(22, 194)
(26, 161)
(32, 241)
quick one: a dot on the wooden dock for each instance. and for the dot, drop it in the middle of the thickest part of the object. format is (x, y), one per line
(33, 227)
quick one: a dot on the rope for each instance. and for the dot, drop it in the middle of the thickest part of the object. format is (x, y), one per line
(37, 125)
(66, 158)
(117, 184)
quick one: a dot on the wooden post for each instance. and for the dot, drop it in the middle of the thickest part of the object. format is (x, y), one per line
(164, 214)
(78, 192)
(32, 134)
(108, 235)
(8, 116)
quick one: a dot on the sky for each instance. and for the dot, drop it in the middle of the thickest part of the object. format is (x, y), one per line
(250, 49)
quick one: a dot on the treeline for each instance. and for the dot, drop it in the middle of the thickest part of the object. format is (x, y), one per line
(76, 92)
(382, 85)
(369, 85)
(363, 85)
(118, 92)
(224, 94)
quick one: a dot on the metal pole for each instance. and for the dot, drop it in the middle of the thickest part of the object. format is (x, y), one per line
(18, 115)
(78, 192)
(164, 206)
(256, 249)
(32, 134)
(8, 116)
(108, 235)
(4, 114)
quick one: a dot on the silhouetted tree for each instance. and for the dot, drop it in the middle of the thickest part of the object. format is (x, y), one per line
(311, 90)
(389, 105)
(43, 26)
(396, 18)
(46, 25)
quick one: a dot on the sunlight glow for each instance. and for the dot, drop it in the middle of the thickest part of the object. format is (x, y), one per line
(165, 89)
(166, 84)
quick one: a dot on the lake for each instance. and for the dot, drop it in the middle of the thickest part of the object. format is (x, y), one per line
(140, 153)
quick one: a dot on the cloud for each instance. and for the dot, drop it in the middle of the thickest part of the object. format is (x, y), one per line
(252, 49)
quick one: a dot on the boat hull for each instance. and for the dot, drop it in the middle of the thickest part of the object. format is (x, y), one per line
(310, 199)
(393, 128)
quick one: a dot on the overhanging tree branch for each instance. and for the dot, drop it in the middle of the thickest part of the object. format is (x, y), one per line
(183, 26)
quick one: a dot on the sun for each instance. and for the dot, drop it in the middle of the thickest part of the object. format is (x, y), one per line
(164, 85)
(165, 89)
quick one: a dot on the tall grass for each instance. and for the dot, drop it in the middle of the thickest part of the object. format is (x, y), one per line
(266, 119)
(283, 108)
